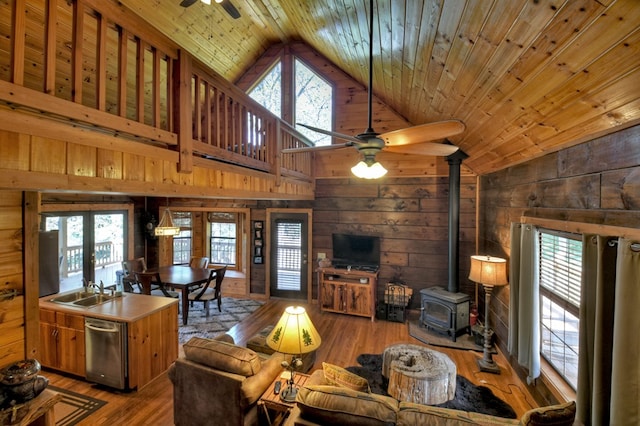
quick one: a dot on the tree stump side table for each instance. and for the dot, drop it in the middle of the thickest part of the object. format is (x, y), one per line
(418, 374)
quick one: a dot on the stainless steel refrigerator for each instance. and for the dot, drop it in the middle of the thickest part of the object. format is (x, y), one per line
(49, 263)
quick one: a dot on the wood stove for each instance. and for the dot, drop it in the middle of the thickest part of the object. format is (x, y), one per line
(447, 311)
(444, 311)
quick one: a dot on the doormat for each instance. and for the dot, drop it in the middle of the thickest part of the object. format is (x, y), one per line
(74, 407)
(469, 397)
(464, 341)
(199, 325)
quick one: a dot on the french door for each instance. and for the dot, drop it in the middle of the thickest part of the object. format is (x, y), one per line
(91, 245)
(289, 255)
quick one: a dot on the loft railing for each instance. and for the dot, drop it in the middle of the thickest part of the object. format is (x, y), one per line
(94, 62)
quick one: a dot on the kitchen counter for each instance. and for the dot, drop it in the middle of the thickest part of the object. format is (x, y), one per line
(151, 341)
(129, 308)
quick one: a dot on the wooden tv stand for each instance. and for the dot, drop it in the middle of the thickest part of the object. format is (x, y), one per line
(351, 292)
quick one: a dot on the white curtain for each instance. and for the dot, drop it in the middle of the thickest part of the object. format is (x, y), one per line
(524, 303)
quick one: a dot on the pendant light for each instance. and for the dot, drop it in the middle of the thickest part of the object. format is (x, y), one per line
(166, 227)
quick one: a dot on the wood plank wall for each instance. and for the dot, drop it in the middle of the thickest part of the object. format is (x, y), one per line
(596, 183)
(41, 155)
(410, 215)
(12, 323)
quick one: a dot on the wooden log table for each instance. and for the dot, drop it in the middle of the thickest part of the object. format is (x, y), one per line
(418, 374)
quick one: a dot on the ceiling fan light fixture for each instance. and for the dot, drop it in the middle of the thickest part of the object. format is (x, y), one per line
(208, 2)
(368, 171)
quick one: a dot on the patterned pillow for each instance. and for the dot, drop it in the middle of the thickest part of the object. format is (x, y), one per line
(556, 415)
(338, 376)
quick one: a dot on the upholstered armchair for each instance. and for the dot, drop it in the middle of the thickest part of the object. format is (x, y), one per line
(217, 382)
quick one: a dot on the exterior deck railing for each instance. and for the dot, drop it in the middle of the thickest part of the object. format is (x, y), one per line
(105, 255)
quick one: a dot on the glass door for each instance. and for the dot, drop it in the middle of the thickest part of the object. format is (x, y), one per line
(289, 255)
(91, 245)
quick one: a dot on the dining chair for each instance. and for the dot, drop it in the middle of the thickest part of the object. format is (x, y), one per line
(199, 262)
(148, 279)
(129, 267)
(206, 294)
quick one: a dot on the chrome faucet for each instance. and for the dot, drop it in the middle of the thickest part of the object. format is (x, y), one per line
(89, 285)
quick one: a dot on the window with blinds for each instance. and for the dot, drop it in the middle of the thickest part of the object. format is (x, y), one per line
(560, 282)
(289, 255)
(182, 241)
(223, 231)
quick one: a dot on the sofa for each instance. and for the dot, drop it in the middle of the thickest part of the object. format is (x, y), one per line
(218, 382)
(324, 400)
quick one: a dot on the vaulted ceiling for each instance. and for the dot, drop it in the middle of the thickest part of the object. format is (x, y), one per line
(527, 77)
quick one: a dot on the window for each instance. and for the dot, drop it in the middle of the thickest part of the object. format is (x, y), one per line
(268, 92)
(313, 100)
(224, 236)
(182, 242)
(560, 282)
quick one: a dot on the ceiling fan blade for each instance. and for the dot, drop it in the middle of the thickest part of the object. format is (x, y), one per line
(423, 133)
(187, 3)
(317, 148)
(330, 133)
(230, 8)
(425, 148)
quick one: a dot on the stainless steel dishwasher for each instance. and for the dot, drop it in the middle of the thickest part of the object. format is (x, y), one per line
(106, 352)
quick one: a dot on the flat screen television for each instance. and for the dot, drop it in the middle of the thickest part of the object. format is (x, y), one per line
(356, 250)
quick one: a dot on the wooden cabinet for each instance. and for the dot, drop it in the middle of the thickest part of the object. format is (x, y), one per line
(348, 292)
(62, 341)
(152, 337)
(152, 345)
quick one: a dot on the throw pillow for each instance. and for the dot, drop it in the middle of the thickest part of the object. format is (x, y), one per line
(327, 405)
(338, 376)
(556, 415)
(222, 356)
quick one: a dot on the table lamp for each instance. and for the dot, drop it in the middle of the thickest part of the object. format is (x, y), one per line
(488, 271)
(294, 335)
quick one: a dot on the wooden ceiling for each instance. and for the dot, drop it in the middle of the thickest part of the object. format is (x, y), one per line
(527, 77)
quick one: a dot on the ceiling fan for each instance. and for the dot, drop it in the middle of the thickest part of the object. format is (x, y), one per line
(411, 140)
(226, 5)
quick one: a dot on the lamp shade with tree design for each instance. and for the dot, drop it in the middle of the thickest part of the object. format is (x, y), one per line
(294, 334)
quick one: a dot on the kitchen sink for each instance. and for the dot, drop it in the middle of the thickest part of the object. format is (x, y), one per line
(93, 300)
(82, 298)
(71, 297)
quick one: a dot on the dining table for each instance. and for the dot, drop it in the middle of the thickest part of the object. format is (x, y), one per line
(184, 278)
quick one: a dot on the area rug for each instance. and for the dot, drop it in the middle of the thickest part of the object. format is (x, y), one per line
(469, 397)
(74, 407)
(199, 325)
(464, 341)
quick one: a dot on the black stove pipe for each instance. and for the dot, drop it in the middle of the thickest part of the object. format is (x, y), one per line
(454, 160)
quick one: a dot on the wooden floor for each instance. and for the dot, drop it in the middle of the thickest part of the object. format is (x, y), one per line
(343, 339)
